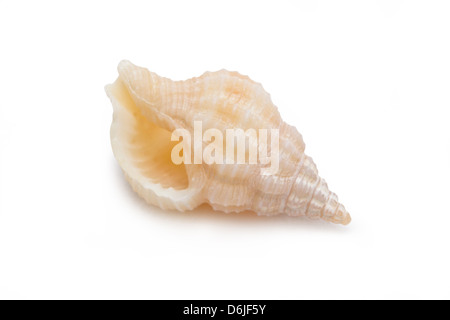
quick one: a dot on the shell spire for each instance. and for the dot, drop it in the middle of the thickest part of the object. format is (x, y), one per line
(148, 109)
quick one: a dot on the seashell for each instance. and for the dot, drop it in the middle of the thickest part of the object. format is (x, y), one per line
(148, 108)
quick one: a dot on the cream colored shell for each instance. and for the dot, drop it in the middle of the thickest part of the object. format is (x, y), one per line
(147, 108)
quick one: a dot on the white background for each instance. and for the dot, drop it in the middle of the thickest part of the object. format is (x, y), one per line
(367, 83)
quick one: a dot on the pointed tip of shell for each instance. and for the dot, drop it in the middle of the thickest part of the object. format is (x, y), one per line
(347, 220)
(342, 216)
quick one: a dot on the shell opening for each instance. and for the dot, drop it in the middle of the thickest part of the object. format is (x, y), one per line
(149, 146)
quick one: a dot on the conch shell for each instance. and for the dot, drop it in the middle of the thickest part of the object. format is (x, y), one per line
(148, 108)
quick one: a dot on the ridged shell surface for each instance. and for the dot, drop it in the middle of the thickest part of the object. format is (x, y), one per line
(148, 108)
